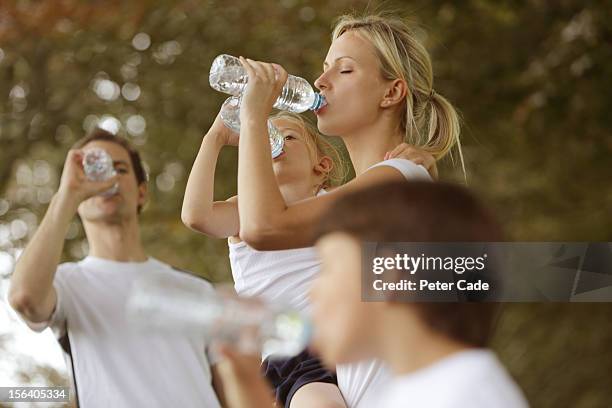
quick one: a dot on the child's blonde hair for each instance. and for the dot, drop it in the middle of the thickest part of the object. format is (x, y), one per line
(429, 120)
(318, 146)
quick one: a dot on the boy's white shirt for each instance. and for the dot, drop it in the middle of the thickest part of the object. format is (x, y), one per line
(474, 378)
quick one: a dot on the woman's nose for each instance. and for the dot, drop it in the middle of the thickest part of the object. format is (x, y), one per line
(321, 82)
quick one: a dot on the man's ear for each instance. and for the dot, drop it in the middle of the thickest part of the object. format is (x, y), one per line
(395, 94)
(143, 195)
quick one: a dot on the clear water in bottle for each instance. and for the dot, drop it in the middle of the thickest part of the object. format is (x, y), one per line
(159, 302)
(230, 114)
(228, 76)
(298, 96)
(98, 166)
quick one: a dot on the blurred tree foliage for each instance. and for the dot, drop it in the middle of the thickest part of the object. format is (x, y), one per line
(532, 80)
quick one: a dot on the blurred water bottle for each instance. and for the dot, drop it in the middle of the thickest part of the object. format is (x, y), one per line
(160, 302)
(228, 76)
(98, 166)
(230, 113)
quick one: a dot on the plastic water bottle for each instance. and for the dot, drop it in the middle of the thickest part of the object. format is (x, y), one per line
(98, 166)
(230, 113)
(228, 76)
(160, 302)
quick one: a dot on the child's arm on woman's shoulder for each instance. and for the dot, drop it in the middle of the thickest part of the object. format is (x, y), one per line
(218, 219)
(416, 155)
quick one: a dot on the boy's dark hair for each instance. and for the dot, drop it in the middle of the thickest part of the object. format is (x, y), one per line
(423, 212)
(103, 135)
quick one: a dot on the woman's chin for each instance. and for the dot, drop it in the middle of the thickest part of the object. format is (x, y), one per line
(328, 129)
(324, 127)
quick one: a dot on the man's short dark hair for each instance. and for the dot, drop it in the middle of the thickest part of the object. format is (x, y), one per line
(423, 212)
(103, 135)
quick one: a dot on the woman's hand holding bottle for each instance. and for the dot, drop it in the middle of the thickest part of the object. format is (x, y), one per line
(263, 88)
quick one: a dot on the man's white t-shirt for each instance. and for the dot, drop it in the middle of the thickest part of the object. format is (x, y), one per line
(115, 364)
(474, 379)
(360, 382)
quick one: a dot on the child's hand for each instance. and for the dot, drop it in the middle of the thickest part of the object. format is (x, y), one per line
(416, 155)
(263, 89)
(224, 135)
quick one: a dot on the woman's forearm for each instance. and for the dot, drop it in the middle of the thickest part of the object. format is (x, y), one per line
(261, 201)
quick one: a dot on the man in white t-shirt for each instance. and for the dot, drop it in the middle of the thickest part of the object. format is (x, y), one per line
(113, 363)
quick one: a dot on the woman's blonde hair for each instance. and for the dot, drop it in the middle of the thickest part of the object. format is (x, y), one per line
(429, 120)
(318, 146)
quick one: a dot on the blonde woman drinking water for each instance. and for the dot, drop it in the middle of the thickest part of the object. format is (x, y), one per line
(378, 82)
